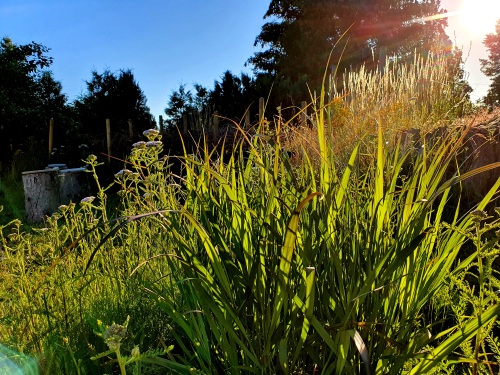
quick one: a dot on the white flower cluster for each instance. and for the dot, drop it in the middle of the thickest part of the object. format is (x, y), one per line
(87, 199)
(139, 145)
(150, 132)
(153, 144)
(123, 172)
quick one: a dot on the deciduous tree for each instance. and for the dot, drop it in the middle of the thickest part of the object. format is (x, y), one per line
(29, 97)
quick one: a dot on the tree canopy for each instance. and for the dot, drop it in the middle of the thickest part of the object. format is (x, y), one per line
(300, 34)
(29, 96)
(229, 97)
(114, 96)
(491, 66)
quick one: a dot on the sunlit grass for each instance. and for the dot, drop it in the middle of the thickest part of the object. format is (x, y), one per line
(323, 249)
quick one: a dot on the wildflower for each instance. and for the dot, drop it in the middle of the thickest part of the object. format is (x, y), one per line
(87, 199)
(123, 172)
(136, 352)
(114, 335)
(91, 158)
(63, 208)
(478, 215)
(152, 144)
(139, 145)
(151, 134)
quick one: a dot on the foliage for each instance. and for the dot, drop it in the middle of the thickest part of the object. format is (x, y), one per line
(114, 96)
(408, 98)
(491, 66)
(181, 103)
(11, 200)
(29, 97)
(233, 95)
(257, 263)
(473, 288)
(230, 98)
(301, 34)
(287, 269)
(50, 305)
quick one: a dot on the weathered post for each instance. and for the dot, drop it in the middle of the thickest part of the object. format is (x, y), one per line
(184, 124)
(216, 126)
(130, 129)
(108, 137)
(247, 119)
(261, 110)
(382, 57)
(160, 121)
(51, 135)
(41, 192)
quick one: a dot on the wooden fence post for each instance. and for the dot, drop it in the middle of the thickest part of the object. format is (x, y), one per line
(216, 126)
(247, 119)
(51, 135)
(261, 110)
(108, 137)
(382, 57)
(130, 128)
(184, 124)
(161, 123)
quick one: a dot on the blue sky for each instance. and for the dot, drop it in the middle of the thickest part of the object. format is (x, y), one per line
(165, 42)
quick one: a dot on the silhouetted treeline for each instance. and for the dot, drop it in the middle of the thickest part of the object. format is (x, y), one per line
(297, 43)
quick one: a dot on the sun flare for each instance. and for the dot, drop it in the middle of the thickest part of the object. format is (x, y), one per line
(480, 16)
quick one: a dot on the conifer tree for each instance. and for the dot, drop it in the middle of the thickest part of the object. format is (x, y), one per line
(301, 33)
(491, 66)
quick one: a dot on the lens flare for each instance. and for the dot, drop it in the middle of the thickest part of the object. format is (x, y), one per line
(480, 16)
(14, 363)
(477, 17)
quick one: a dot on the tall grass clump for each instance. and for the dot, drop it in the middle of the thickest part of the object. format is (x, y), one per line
(286, 269)
(419, 95)
(249, 262)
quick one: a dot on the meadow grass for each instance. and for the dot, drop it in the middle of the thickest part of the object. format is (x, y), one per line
(343, 257)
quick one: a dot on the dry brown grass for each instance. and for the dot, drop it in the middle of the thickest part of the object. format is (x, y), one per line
(481, 116)
(420, 96)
